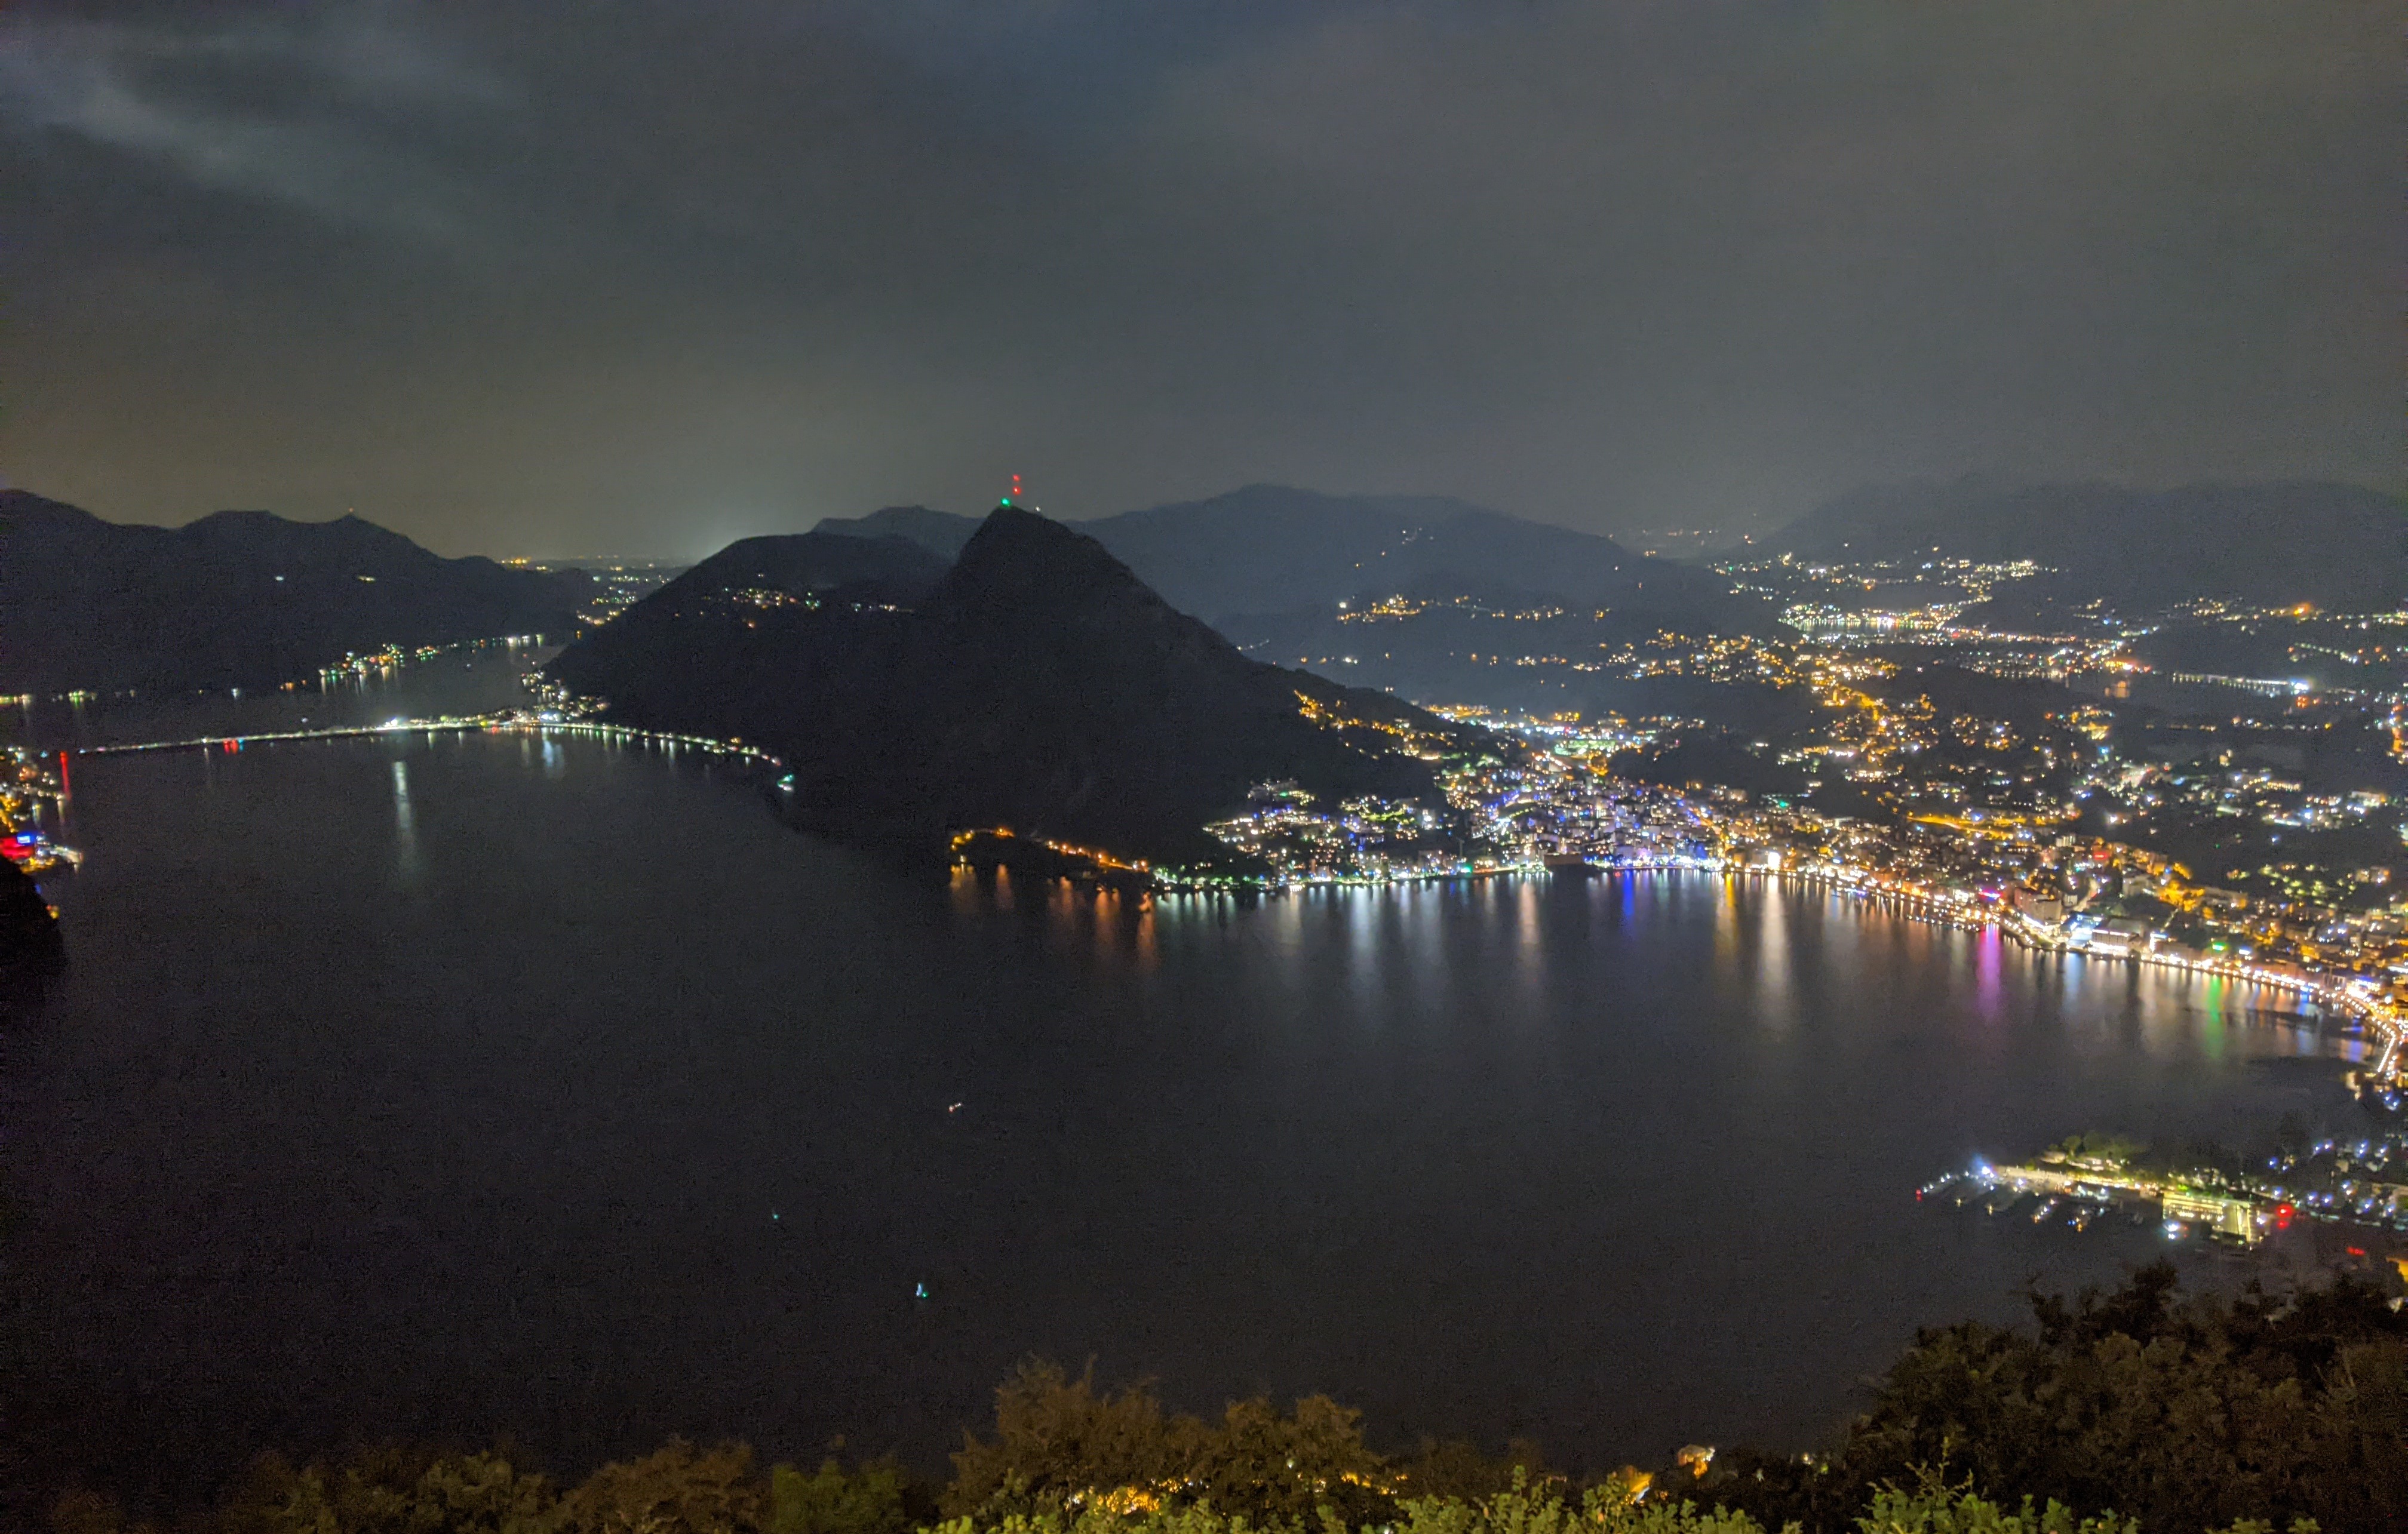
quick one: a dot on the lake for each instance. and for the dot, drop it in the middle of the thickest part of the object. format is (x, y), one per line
(459, 1085)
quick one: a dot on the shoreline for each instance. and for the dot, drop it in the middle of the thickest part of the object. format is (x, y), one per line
(1964, 912)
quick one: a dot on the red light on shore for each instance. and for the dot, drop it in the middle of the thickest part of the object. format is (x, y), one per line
(2283, 1214)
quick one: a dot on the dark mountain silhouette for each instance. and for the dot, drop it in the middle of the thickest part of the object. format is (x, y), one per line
(1040, 686)
(942, 533)
(1271, 549)
(94, 604)
(2340, 546)
(1507, 649)
(29, 934)
(800, 614)
(877, 570)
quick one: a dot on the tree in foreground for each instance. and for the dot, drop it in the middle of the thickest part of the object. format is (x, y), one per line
(2130, 1412)
(2186, 1415)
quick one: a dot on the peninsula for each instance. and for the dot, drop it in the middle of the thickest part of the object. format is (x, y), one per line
(1035, 686)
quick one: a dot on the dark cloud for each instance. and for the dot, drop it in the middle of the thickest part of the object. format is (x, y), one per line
(643, 276)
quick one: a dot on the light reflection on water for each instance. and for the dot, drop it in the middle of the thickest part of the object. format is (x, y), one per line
(405, 824)
(1629, 1158)
(470, 681)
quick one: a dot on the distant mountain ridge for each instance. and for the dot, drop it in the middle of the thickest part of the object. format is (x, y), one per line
(238, 597)
(2340, 546)
(943, 533)
(1273, 549)
(1039, 685)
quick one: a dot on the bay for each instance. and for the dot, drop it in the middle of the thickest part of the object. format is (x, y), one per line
(458, 1085)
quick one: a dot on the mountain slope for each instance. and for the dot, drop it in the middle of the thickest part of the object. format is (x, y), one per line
(236, 597)
(1040, 686)
(941, 533)
(761, 630)
(2340, 546)
(840, 567)
(1272, 549)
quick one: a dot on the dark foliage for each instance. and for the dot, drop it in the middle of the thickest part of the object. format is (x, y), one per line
(1061, 1445)
(29, 934)
(2186, 1415)
(399, 1489)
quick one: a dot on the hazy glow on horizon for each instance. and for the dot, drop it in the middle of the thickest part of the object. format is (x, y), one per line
(662, 275)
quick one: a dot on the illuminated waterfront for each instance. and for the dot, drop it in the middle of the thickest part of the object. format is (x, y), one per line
(544, 1082)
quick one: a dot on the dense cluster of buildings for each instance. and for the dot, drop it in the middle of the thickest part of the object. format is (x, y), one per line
(1888, 600)
(1545, 798)
(30, 795)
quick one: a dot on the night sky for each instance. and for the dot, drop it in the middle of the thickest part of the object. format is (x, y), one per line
(640, 276)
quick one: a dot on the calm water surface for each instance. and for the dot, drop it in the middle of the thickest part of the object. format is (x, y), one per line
(461, 1084)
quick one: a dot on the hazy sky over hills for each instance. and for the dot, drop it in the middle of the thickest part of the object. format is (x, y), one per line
(645, 275)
